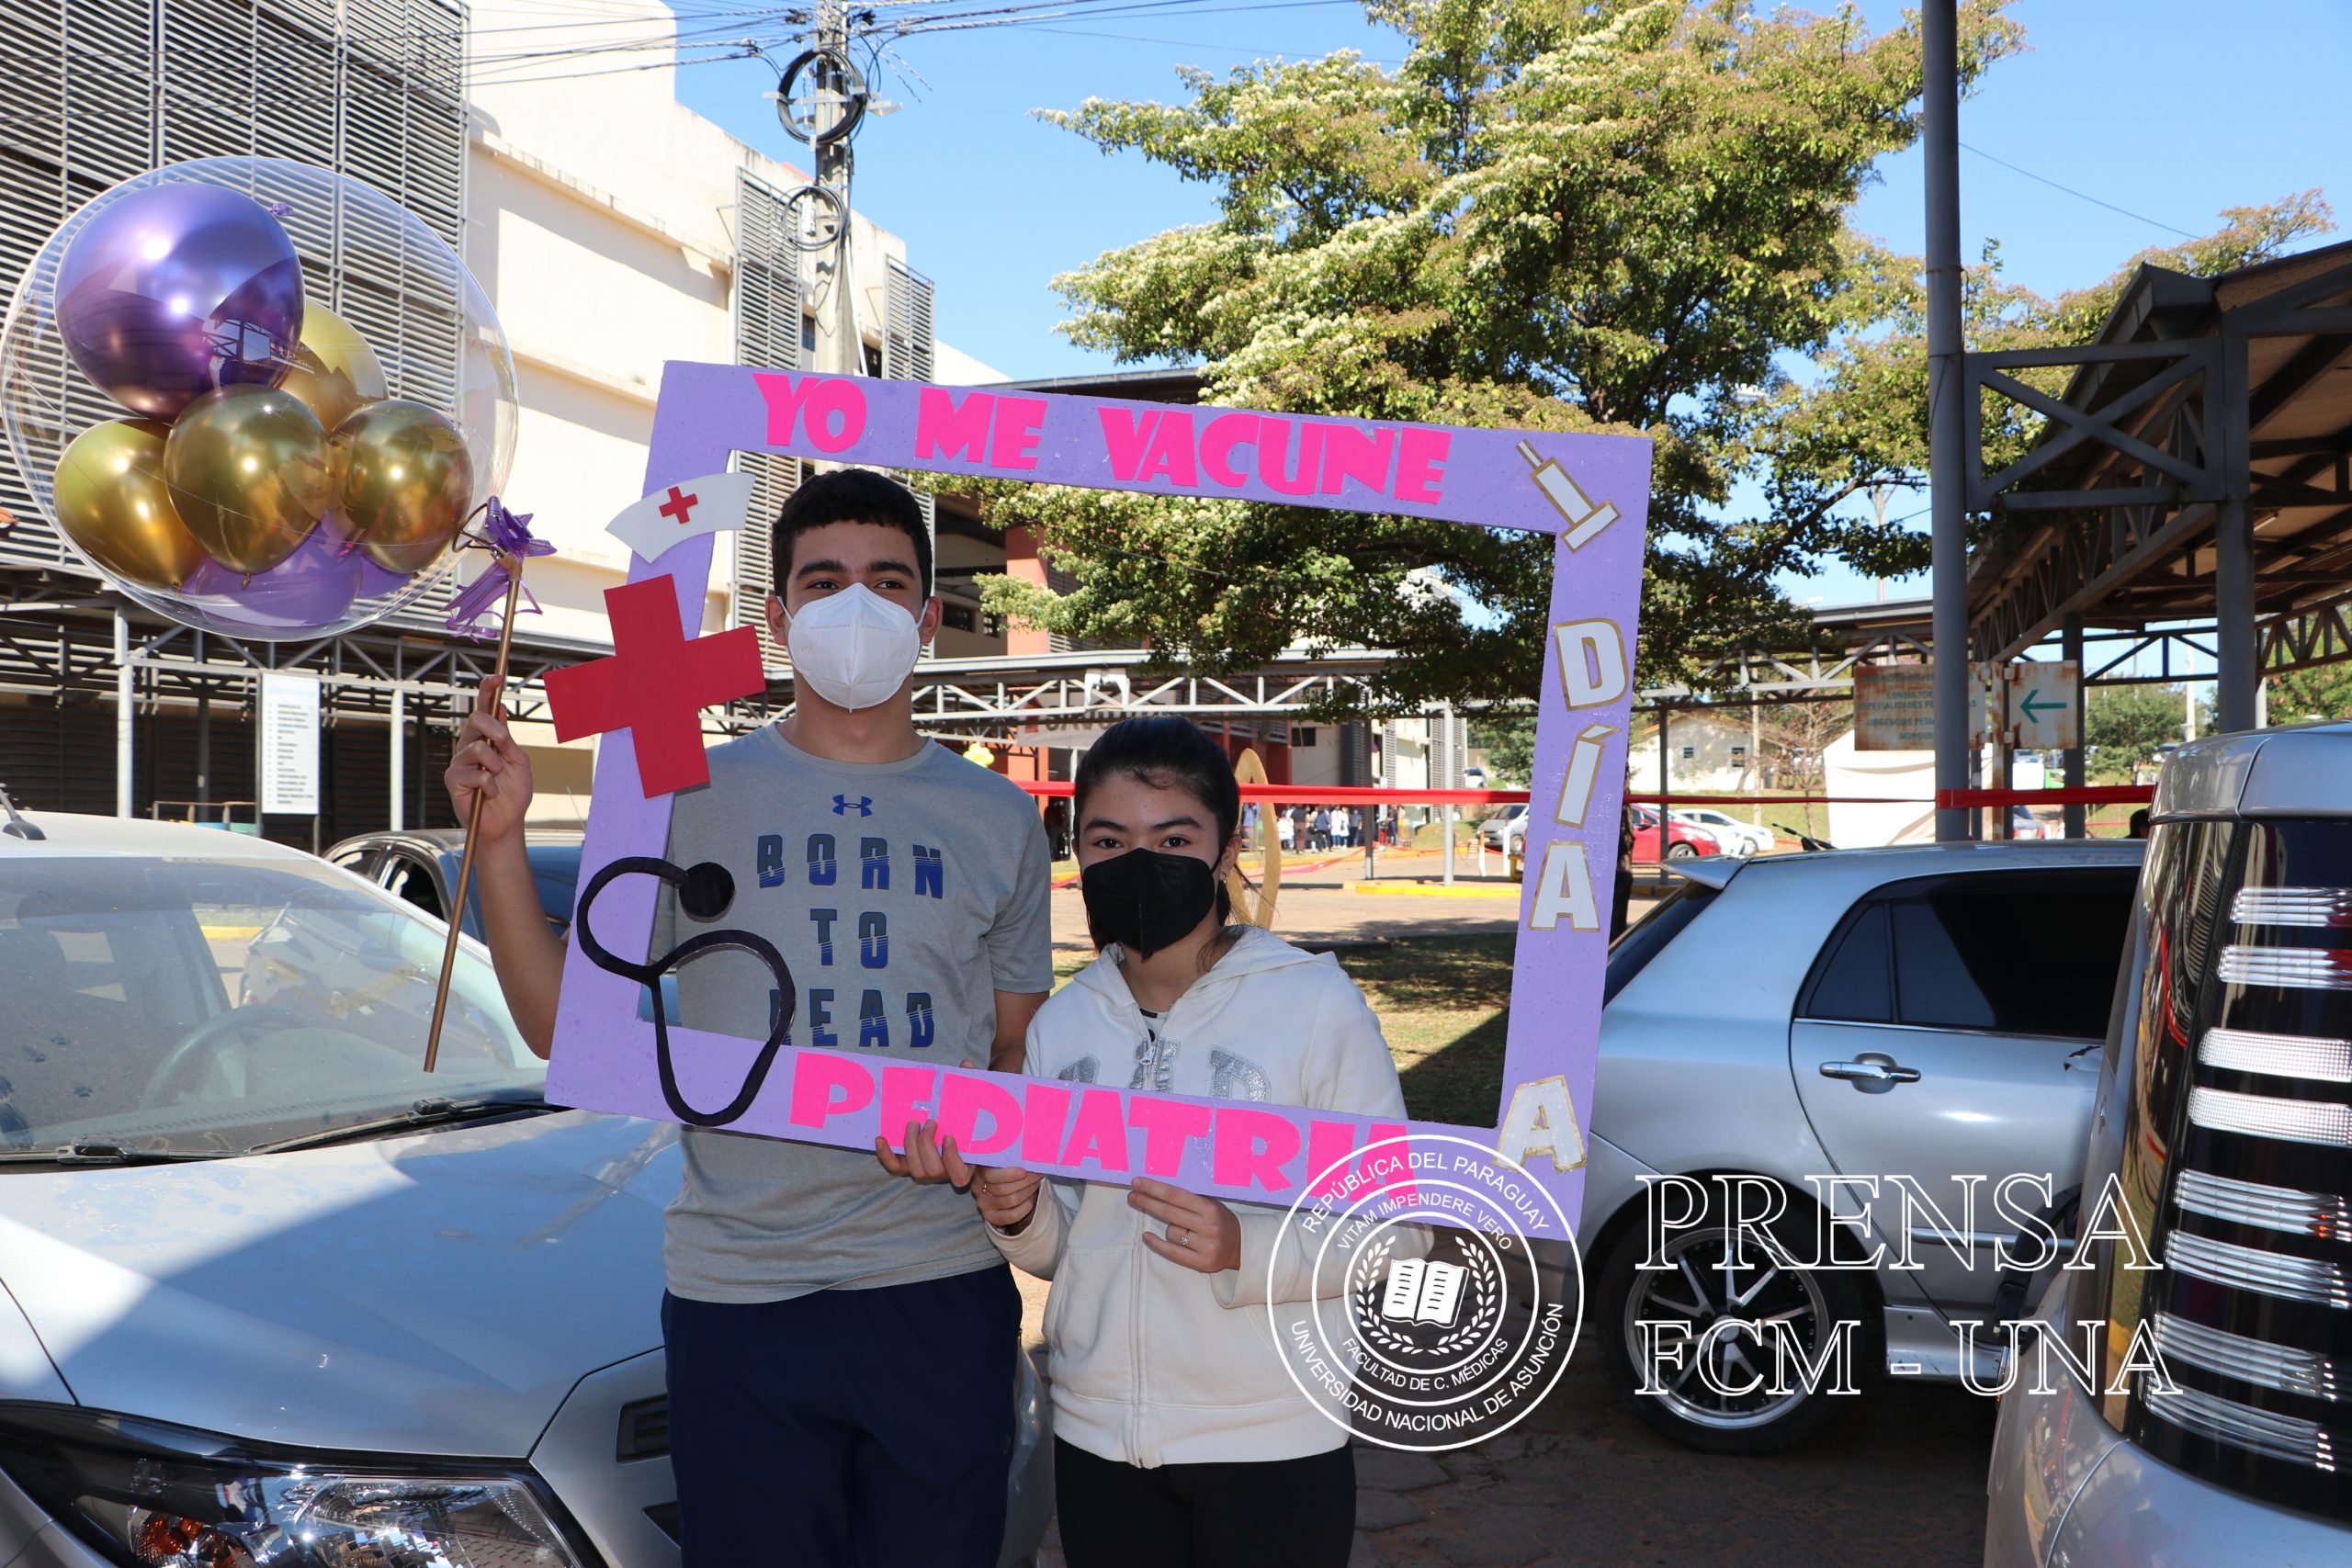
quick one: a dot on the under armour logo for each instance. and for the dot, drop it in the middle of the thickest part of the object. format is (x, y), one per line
(863, 806)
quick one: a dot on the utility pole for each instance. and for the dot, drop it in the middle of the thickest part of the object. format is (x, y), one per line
(841, 347)
(1947, 407)
(822, 100)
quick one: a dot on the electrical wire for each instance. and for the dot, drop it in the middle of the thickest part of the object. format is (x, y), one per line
(139, 57)
(233, 99)
(1045, 11)
(2081, 196)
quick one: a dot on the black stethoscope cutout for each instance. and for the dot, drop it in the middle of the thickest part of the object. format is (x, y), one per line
(704, 890)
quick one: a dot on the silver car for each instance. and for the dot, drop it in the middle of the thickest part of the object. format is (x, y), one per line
(2224, 1128)
(271, 1296)
(1801, 1040)
(1505, 832)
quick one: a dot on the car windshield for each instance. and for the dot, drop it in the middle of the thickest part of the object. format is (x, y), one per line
(200, 1006)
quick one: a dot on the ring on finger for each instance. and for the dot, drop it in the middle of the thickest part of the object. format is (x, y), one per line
(1187, 1242)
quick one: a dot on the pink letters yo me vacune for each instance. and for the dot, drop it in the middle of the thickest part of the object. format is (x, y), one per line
(1177, 449)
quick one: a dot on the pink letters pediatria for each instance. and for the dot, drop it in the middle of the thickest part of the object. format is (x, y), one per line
(1249, 1152)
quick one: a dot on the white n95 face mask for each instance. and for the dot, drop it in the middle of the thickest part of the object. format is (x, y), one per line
(855, 648)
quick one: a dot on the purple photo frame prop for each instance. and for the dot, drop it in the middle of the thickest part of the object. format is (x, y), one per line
(1590, 491)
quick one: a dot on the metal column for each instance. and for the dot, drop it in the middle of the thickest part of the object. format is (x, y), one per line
(203, 736)
(1452, 781)
(2070, 648)
(400, 756)
(1947, 407)
(2233, 641)
(124, 682)
(2004, 817)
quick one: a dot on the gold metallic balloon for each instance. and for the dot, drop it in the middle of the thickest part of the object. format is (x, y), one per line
(407, 481)
(111, 501)
(248, 471)
(334, 372)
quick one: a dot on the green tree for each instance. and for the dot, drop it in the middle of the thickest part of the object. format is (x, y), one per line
(1856, 422)
(1508, 738)
(1608, 216)
(2323, 691)
(1620, 215)
(2122, 726)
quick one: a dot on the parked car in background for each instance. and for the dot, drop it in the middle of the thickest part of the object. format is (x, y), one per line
(2225, 1126)
(2024, 824)
(268, 1292)
(1923, 1012)
(1679, 841)
(1504, 833)
(1735, 837)
(420, 866)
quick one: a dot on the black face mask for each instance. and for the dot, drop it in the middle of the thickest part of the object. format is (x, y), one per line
(1144, 900)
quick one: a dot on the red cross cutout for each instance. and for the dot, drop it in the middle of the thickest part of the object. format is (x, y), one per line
(656, 684)
(679, 506)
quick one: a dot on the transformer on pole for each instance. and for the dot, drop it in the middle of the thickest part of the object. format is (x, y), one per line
(821, 99)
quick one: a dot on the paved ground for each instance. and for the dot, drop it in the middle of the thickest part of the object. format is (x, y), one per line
(1899, 1482)
(1581, 1481)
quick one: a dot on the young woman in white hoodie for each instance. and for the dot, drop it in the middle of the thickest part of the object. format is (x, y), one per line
(1180, 1439)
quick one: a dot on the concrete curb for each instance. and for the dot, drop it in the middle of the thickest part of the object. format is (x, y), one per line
(1437, 890)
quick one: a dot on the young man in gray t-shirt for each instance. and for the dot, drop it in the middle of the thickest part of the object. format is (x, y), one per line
(840, 1341)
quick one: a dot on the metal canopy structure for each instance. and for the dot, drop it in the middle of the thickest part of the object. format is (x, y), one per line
(2195, 470)
(992, 697)
(69, 648)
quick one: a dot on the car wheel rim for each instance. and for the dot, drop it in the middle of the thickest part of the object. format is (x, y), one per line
(1730, 1292)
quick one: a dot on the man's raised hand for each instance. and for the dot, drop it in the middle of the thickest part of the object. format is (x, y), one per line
(487, 763)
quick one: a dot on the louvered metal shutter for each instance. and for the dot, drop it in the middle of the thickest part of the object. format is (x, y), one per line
(105, 89)
(32, 200)
(907, 352)
(81, 117)
(767, 325)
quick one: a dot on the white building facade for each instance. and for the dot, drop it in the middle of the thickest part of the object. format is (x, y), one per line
(614, 229)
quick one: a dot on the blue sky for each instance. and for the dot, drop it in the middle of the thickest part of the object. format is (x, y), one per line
(2168, 109)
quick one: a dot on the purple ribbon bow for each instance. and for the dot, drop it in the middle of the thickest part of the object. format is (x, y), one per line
(509, 536)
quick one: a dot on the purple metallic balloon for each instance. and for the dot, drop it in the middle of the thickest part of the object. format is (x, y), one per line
(171, 291)
(309, 588)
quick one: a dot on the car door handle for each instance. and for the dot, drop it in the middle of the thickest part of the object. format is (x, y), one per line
(1871, 1072)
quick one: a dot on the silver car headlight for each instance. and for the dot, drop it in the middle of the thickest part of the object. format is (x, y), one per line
(150, 1495)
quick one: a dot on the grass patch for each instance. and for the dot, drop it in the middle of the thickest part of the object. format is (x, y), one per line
(1443, 1003)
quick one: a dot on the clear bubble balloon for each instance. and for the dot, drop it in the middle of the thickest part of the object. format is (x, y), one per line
(166, 301)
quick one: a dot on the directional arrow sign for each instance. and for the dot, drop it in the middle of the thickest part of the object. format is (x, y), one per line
(2041, 706)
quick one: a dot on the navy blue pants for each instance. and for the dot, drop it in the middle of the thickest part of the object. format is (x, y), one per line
(844, 1429)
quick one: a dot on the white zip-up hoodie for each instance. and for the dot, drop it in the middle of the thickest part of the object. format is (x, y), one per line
(1155, 1363)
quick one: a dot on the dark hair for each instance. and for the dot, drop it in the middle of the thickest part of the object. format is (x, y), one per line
(849, 495)
(1167, 752)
